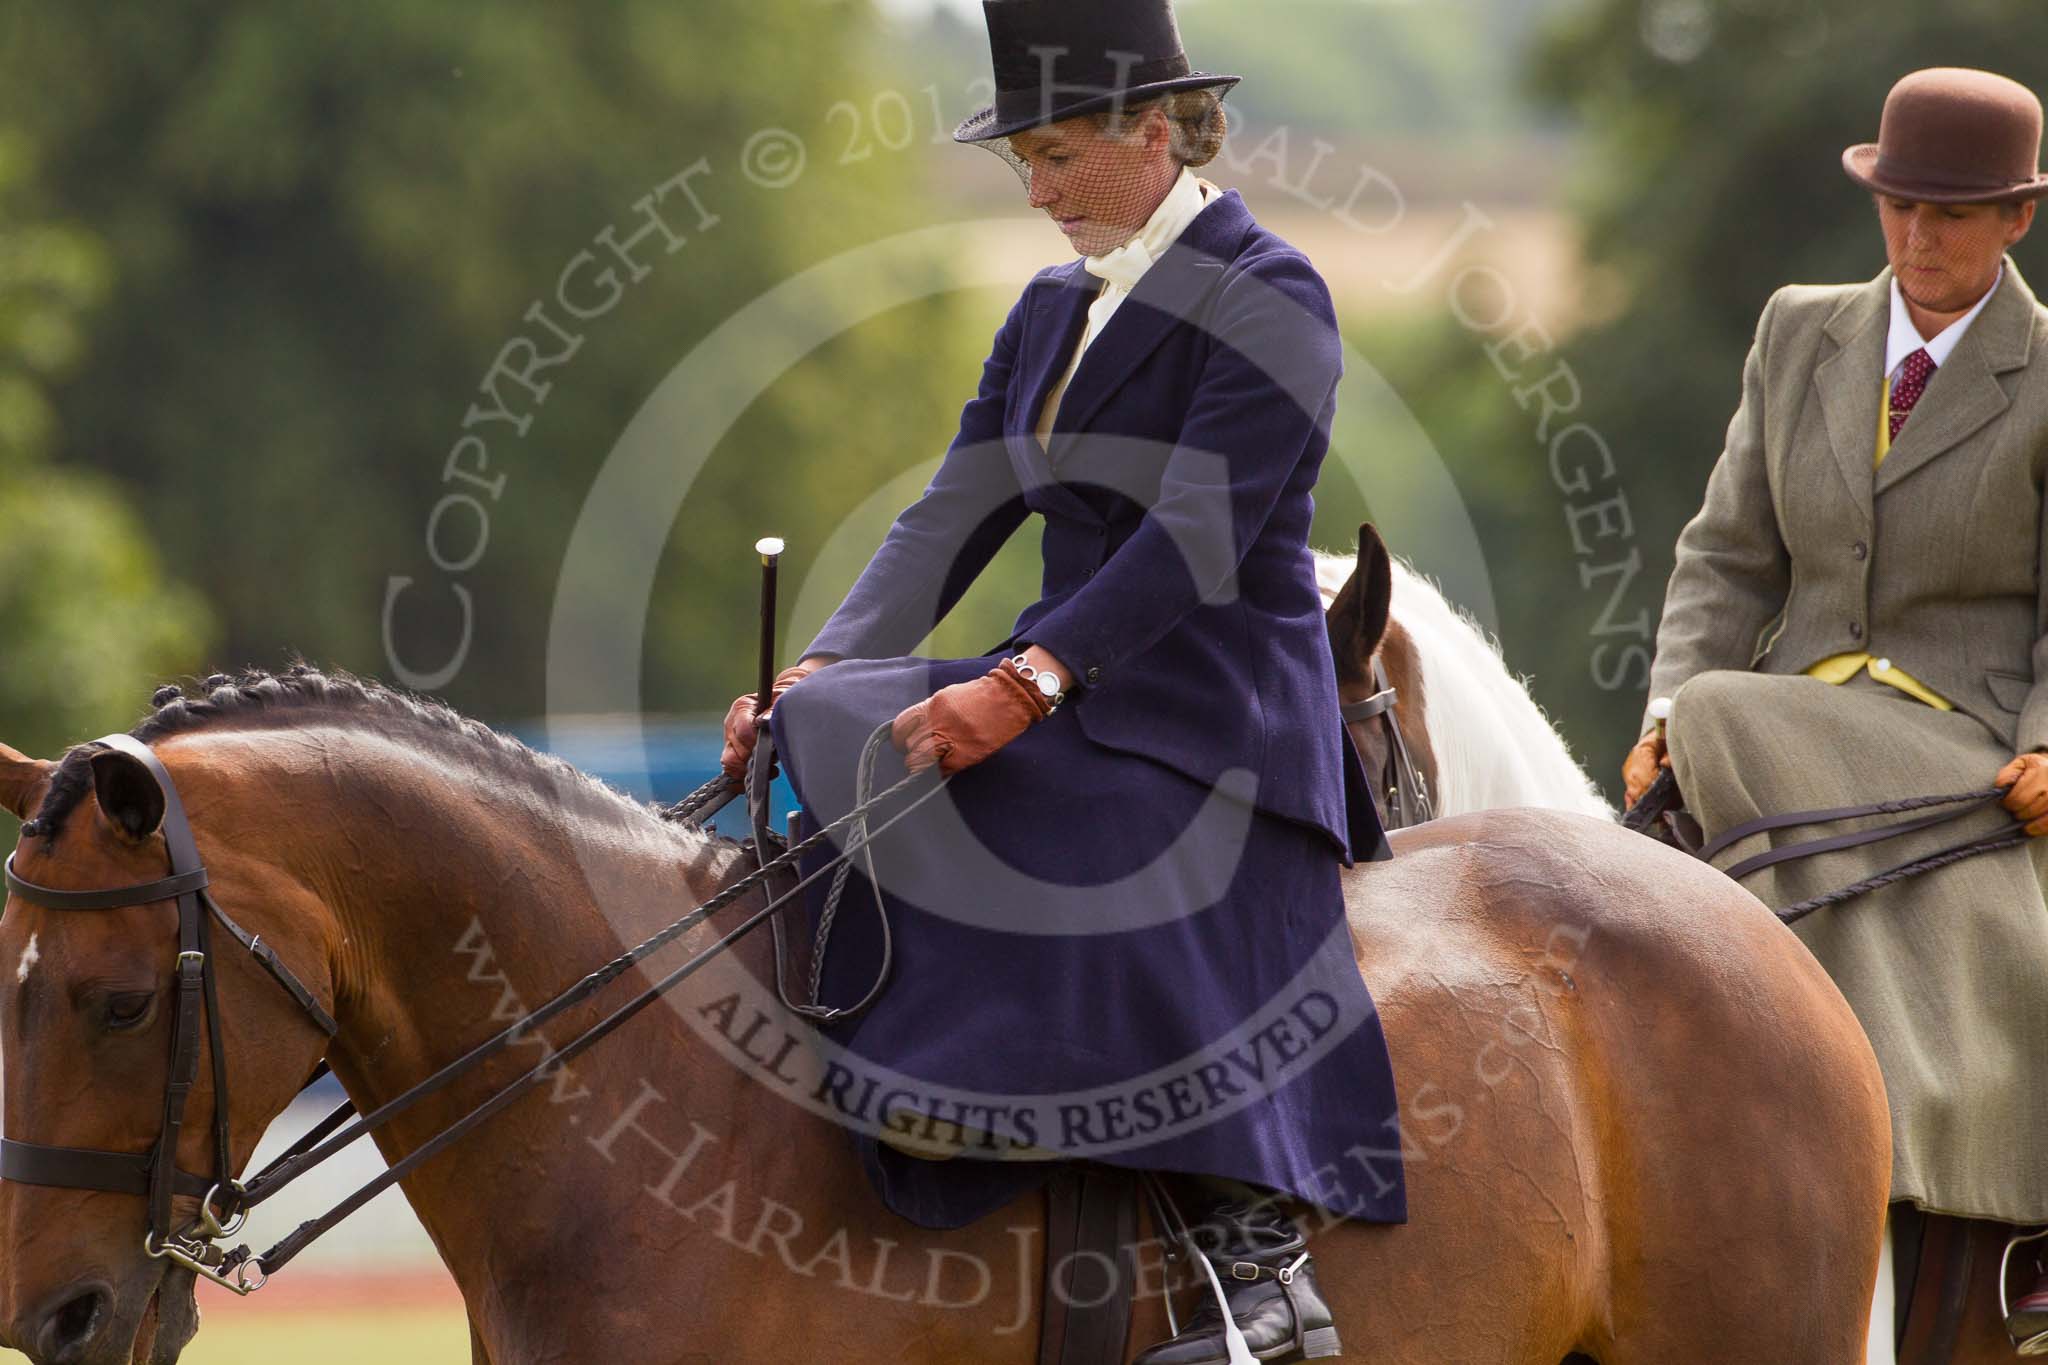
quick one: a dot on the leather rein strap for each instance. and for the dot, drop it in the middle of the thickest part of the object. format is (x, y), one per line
(813, 1007)
(1965, 803)
(1663, 796)
(1401, 782)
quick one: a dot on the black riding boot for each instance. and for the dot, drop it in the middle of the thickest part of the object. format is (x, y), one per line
(1262, 1263)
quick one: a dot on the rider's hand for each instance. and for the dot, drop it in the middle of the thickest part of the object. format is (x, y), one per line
(1640, 768)
(743, 726)
(958, 726)
(2027, 775)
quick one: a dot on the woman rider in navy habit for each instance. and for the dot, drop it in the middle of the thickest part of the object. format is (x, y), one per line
(1120, 927)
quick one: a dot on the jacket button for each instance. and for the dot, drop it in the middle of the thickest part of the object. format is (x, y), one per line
(1094, 675)
(1860, 550)
(1855, 630)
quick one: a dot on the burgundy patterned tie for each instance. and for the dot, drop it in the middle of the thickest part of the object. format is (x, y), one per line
(1914, 373)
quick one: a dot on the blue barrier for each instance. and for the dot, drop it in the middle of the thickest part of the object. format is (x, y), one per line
(667, 760)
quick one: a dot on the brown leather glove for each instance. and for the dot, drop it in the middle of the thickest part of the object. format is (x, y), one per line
(1639, 770)
(958, 726)
(2027, 775)
(743, 726)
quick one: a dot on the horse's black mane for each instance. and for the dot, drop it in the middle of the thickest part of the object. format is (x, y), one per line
(255, 699)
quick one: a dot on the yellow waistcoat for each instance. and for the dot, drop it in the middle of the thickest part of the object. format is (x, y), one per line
(1839, 668)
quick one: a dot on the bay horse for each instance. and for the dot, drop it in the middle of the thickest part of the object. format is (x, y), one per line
(1639, 1124)
(1481, 743)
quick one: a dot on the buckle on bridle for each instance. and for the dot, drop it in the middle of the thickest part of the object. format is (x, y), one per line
(231, 1270)
(1244, 1270)
(210, 1225)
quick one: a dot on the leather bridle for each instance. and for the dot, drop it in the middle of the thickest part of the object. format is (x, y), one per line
(1401, 783)
(155, 1174)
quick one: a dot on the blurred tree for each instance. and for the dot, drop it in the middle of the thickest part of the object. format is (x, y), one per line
(1446, 70)
(1379, 70)
(329, 223)
(86, 605)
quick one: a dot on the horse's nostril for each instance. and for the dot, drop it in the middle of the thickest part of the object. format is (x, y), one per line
(69, 1330)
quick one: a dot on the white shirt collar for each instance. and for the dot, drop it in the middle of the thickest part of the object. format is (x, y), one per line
(1124, 266)
(1905, 337)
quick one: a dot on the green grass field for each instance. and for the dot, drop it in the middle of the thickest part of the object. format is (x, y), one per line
(408, 1337)
(412, 1336)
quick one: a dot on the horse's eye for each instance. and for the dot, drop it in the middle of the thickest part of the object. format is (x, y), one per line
(130, 1009)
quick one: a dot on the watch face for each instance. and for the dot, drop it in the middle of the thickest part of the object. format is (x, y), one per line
(1048, 684)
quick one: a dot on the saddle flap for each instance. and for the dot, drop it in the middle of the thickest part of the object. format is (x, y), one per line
(1091, 1233)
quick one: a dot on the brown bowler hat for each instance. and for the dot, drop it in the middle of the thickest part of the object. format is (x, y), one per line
(1951, 135)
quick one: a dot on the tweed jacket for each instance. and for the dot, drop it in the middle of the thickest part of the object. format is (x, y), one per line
(1933, 560)
(1175, 493)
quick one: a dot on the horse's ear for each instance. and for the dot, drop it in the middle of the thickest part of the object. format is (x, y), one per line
(128, 793)
(1358, 617)
(1376, 597)
(23, 780)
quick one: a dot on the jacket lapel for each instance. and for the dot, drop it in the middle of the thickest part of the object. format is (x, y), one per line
(1966, 393)
(1851, 383)
(1052, 328)
(1175, 290)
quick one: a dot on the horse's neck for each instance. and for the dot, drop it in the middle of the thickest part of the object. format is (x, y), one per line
(1493, 753)
(629, 1207)
(490, 904)
(1494, 747)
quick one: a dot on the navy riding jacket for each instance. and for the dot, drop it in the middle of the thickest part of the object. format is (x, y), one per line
(1178, 587)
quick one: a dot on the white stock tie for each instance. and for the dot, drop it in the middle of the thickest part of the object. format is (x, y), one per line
(1123, 267)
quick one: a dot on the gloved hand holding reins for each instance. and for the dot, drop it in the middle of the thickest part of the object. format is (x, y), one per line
(2027, 775)
(743, 724)
(1639, 770)
(958, 726)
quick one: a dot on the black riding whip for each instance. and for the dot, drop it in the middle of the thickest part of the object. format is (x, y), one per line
(770, 549)
(761, 771)
(700, 805)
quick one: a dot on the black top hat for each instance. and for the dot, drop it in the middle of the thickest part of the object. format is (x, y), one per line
(1057, 58)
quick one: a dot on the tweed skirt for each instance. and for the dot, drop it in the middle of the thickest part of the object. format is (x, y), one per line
(1948, 971)
(1095, 957)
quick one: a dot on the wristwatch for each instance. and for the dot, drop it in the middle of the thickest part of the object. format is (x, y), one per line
(1048, 686)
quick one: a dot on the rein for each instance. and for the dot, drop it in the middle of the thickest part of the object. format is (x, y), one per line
(814, 1007)
(707, 800)
(1663, 798)
(155, 1175)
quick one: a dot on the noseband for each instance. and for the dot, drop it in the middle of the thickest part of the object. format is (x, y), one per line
(1401, 784)
(155, 1174)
